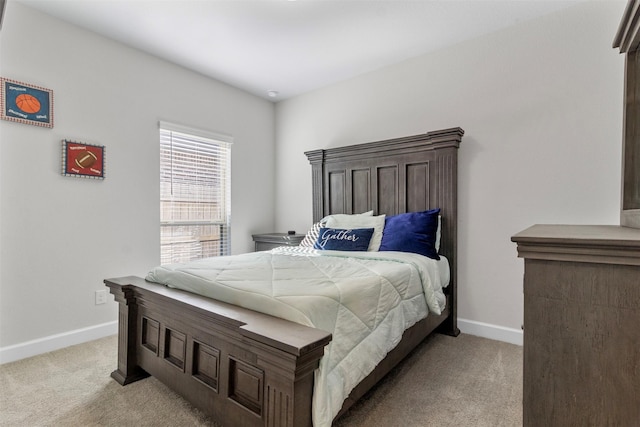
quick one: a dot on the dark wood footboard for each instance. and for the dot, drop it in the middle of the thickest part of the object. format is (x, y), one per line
(241, 367)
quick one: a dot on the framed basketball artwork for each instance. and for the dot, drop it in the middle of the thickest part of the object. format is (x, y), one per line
(26, 103)
(83, 160)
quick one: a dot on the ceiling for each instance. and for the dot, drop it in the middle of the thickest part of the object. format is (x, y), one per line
(291, 47)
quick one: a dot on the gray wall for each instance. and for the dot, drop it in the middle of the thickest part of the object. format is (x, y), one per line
(62, 236)
(541, 104)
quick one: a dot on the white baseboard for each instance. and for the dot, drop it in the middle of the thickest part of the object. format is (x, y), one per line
(56, 342)
(494, 332)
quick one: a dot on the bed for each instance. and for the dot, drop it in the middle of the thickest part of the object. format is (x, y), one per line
(246, 368)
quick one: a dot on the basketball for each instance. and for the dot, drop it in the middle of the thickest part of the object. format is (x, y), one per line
(28, 103)
(86, 159)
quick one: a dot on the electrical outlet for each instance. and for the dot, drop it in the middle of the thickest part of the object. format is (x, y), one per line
(101, 296)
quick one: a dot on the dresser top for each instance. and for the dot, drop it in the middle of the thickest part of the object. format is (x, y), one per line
(609, 244)
(583, 233)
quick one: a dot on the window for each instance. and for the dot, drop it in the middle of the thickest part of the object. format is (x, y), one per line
(195, 172)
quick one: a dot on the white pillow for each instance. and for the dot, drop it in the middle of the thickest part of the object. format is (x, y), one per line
(360, 221)
(312, 235)
(339, 216)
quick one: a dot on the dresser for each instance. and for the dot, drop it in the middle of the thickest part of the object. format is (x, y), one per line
(267, 241)
(581, 325)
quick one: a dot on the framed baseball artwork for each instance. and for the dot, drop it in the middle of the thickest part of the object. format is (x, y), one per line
(26, 103)
(83, 160)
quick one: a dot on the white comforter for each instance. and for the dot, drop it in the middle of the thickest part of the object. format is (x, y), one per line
(365, 299)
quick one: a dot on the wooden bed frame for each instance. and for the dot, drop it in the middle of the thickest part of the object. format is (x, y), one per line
(245, 368)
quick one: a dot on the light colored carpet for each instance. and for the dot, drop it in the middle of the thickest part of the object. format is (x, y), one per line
(463, 381)
(446, 381)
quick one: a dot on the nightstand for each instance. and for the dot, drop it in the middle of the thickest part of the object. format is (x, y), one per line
(267, 241)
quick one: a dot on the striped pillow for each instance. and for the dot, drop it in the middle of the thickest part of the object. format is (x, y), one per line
(312, 235)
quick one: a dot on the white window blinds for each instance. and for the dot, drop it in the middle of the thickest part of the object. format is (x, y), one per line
(195, 172)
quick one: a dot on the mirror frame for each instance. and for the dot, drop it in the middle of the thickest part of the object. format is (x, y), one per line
(628, 40)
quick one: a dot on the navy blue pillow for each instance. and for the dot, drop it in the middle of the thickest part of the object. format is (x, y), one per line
(338, 239)
(412, 232)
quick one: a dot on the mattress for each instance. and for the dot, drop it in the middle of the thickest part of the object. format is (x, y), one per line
(364, 299)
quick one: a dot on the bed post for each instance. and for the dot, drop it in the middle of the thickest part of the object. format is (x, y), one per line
(316, 158)
(128, 370)
(447, 172)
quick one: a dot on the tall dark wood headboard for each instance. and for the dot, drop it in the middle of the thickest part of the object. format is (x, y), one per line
(409, 174)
